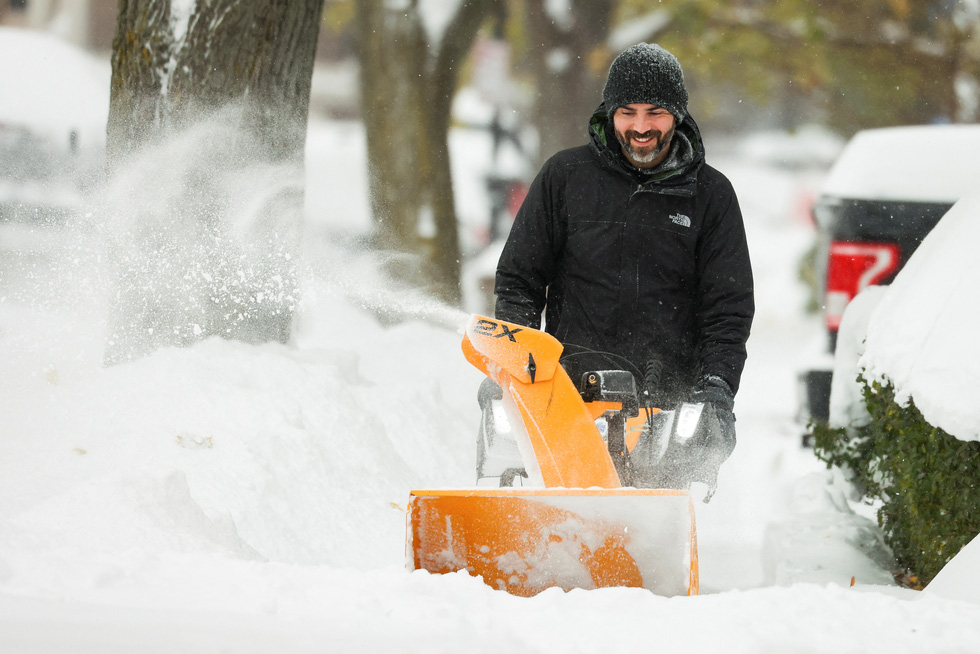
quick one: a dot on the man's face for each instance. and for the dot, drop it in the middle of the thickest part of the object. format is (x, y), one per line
(644, 131)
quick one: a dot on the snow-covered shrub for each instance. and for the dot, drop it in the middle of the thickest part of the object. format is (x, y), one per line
(927, 481)
(917, 450)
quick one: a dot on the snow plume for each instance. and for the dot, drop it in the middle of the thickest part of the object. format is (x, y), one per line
(367, 279)
(201, 235)
(338, 254)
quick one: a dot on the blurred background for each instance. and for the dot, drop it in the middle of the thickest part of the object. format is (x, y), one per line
(509, 82)
(424, 123)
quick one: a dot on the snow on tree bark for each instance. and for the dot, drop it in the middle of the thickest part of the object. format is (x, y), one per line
(257, 53)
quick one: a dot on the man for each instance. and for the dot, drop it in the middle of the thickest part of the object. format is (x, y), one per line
(634, 249)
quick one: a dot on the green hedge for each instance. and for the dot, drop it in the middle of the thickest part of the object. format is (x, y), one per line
(927, 481)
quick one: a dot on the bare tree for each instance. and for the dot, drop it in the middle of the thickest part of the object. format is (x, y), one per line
(408, 81)
(208, 110)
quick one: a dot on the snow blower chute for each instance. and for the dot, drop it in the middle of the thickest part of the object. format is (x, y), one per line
(573, 524)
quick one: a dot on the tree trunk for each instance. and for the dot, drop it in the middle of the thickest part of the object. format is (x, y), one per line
(140, 51)
(392, 55)
(569, 64)
(205, 140)
(256, 52)
(444, 75)
(407, 86)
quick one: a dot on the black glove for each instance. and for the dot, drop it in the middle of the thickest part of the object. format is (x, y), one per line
(489, 391)
(715, 391)
(717, 440)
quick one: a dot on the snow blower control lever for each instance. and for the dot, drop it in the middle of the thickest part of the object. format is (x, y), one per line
(616, 390)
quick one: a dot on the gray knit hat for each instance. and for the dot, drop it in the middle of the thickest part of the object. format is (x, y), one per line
(646, 74)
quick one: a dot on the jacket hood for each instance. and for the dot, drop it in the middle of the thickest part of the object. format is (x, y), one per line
(677, 173)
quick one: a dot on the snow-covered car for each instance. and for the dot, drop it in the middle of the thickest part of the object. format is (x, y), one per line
(53, 111)
(883, 195)
(920, 332)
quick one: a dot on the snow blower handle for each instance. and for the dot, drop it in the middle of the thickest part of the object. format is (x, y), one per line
(653, 374)
(715, 391)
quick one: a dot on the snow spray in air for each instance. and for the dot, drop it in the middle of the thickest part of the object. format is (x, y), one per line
(201, 238)
(363, 276)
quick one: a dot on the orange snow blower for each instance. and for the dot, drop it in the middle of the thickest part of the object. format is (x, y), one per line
(573, 525)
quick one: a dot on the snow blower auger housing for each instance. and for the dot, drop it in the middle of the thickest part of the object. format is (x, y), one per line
(573, 525)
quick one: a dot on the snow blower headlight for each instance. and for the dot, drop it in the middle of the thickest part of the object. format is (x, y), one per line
(688, 417)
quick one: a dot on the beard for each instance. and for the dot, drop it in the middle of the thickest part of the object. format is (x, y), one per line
(648, 153)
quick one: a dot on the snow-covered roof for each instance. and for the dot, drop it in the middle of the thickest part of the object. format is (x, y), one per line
(927, 163)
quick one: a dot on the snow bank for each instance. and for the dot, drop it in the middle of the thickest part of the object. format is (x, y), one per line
(923, 334)
(261, 453)
(958, 580)
(847, 408)
(824, 535)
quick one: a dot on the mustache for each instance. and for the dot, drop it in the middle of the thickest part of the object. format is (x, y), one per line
(647, 152)
(655, 133)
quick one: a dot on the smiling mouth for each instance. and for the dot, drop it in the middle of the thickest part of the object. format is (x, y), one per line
(643, 140)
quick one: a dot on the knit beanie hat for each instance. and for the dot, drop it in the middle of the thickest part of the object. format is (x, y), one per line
(646, 74)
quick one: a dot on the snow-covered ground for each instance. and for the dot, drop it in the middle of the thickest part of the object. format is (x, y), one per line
(234, 498)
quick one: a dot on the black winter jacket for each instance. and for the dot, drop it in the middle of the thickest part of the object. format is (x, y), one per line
(641, 267)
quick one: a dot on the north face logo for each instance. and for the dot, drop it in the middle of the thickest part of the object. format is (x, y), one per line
(680, 219)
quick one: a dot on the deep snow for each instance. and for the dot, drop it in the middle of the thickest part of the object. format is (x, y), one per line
(227, 497)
